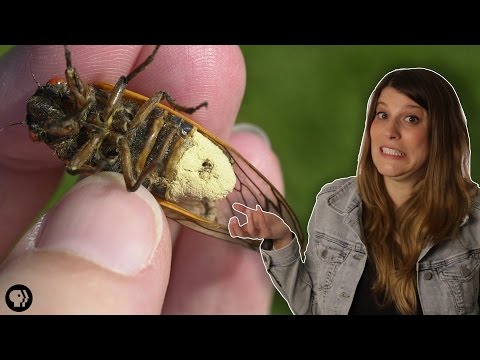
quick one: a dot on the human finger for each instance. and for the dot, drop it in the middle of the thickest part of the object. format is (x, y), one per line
(262, 224)
(237, 230)
(234, 227)
(241, 208)
(250, 224)
(101, 250)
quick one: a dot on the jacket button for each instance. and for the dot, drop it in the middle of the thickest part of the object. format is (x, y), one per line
(324, 253)
(428, 275)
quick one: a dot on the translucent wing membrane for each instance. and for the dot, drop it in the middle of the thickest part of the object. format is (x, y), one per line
(251, 189)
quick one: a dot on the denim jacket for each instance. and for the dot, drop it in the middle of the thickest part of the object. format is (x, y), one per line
(447, 274)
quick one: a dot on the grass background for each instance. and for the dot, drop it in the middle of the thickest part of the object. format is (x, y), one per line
(311, 101)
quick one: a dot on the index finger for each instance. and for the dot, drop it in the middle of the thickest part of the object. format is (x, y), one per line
(241, 208)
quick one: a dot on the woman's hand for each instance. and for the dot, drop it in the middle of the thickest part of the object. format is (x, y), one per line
(260, 225)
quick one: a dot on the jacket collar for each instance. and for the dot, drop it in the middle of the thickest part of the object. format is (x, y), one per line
(345, 199)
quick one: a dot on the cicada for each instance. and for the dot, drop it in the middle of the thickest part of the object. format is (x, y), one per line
(194, 175)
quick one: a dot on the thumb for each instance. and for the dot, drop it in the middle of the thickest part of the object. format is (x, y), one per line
(101, 250)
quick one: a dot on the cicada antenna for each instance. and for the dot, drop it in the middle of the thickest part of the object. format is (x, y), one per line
(18, 123)
(31, 72)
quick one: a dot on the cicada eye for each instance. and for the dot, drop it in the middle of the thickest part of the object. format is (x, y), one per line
(56, 81)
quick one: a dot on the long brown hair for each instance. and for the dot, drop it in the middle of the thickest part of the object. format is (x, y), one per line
(439, 202)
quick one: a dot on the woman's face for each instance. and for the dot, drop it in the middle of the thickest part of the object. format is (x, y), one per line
(399, 137)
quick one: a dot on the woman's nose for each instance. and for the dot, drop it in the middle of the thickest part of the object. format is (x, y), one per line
(391, 129)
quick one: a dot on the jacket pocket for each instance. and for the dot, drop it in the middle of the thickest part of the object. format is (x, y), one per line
(461, 274)
(330, 254)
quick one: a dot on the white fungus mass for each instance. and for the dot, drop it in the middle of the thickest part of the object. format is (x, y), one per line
(202, 172)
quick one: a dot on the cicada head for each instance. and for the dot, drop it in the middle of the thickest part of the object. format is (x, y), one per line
(49, 113)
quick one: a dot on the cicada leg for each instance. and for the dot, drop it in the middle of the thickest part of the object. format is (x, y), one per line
(188, 110)
(77, 163)
(130, 172)
(115, 98)
(141, 115)
(80, 91)
(155, 128)
(133, 177)
(85, 170)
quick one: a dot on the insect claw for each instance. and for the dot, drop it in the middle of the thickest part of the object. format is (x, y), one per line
(204, 104)
(68, 56)
(192, 110)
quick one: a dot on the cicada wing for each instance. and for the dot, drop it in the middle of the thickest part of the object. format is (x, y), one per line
(194, 222)
(251, 189)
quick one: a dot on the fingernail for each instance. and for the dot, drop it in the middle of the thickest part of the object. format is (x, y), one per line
(99, 220)
(254, 129)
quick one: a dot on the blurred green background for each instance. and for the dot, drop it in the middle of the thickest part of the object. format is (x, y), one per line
(311, 101)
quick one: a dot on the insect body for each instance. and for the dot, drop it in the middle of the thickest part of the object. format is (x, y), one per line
(195, 176)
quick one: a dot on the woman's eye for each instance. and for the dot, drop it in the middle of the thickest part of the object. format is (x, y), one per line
(381, 115)
(411, 119)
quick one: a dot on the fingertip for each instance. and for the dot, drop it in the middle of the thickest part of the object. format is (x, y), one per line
(104, 240)
(195, 74)
(100, 221)
(236, 205)
(241, 208)
(94, 63)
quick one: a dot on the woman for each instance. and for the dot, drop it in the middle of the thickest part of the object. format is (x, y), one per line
(403, 235)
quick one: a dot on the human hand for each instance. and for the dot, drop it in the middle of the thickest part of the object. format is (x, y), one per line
(103, 249)
(260, 225)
